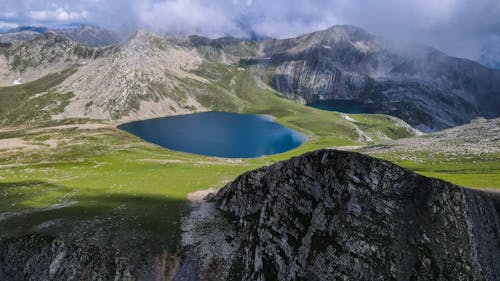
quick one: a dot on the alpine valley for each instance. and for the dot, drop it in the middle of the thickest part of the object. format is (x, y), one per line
(81, 199)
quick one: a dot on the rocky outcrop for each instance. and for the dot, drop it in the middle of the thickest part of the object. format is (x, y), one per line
(331, 215)
(149, 75)
(49, 53)
(90, 35)
(85, 34)
(42, 257)
(476, 139)
(418, 84)
(142, 80)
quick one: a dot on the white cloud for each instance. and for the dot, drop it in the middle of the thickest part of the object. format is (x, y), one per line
(187, 16)
(7, 25)
(459, 27)
(59, 14)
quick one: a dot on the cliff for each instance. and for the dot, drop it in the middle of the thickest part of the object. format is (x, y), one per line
(331, 215)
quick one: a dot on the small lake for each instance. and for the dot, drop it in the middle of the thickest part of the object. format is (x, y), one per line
(221, 134)
(345, 106)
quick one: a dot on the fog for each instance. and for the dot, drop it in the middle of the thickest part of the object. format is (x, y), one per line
(461, 28)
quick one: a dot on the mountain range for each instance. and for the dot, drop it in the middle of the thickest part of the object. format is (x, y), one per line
(86, 34)
(150, 75)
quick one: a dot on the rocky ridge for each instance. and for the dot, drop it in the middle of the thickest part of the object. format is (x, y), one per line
(418, 84)
(141, 80)
(85, 34)
(331, 215)
(477, 138)
(29, 60)
(424, 87)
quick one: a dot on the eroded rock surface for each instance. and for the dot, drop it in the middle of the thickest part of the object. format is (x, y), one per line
(331, 215)
(42, 257)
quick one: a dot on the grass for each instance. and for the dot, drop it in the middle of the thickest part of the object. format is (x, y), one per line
(33, 101)
(466, 170)
(107, 179)
(102, 174)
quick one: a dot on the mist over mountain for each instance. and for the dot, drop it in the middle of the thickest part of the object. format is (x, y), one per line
(419, 84)
(490, 55)
(460, 28)
(85, 34)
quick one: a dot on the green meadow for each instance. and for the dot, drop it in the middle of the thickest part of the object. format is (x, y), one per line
(83, 176)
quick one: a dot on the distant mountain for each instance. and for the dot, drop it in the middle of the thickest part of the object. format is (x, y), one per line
(22, 33)
(85, 34)
(419, 84)
(490, 56)
(150, 75)
(90, 35)
(36, 29)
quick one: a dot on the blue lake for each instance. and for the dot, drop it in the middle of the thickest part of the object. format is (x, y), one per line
(221, 134)
(345, 106)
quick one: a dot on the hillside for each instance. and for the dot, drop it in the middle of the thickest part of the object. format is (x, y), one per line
(330, 215)
(418, 84)
(85, 34)
(150, 76)
(467, 154)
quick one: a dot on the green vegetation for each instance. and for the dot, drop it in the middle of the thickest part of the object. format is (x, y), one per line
(466, 170)
(34, 101)
(72, 175)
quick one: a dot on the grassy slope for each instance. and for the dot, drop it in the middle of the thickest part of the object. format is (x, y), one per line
(104, 178)
(33, 101)
(466, 170)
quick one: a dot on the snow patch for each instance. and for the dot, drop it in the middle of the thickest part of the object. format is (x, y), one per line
(17, 81)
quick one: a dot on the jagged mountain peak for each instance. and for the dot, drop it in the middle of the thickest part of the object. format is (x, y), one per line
(335, 38)
(145, 41)
(344, 33)
(90, 35)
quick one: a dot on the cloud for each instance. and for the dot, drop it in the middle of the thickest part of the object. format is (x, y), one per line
(458, 27)
(7, 25)
(187, 17)
(59, 14)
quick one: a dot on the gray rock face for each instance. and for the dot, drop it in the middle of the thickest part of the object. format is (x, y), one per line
(49, 50)
(41, 257)
(418, 84)
(90, 35)
(331, 215)
(86, 34)
(424, 87)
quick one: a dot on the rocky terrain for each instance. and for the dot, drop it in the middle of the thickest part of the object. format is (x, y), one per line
(478, 138)
(141, 80)
(331, 215)
(42, 257)
(25, 61)
(85, 34)
(418, 84)
(159, 75)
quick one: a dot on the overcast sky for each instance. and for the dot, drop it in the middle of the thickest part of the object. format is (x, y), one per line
(457, 27)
